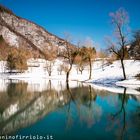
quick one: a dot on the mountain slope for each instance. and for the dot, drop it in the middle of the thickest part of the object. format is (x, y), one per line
(17, 31)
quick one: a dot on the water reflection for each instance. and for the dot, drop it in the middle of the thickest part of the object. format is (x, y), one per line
(77, 108)
(124, 99)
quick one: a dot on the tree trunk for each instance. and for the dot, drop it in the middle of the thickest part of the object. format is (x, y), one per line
(77, 70)
(90, 68)
(123, 68)
(69, 91)
(50, 85)
(67, 75)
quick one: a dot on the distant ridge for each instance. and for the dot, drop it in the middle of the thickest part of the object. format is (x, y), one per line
(16, 31)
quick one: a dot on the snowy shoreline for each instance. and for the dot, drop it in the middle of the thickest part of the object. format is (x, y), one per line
(113, 86)
(104, 78)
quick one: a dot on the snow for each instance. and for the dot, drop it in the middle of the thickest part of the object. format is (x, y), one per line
(105, 76)
(117, 89)
(133, 83)
(10, 111)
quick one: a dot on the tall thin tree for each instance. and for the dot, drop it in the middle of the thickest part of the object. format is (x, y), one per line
(69, 53)
(88, 53)
(119, 20)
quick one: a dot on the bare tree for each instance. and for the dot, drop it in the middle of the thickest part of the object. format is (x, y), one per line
(135, 46)
(88, 53)
(102, 55)
(60, 69)
(119, 20)
(79, 61)
(49, 67)
(81, 68)
(69, 53)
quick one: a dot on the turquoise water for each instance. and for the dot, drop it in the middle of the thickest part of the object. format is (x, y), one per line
(76, 112)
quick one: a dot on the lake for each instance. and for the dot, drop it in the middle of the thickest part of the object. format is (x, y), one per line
(60, 111)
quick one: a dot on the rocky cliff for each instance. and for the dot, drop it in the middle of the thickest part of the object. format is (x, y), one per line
(18, 32)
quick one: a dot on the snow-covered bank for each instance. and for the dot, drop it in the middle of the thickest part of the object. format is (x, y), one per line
(113, 72)
(110, 77)
(132, 83)
(104, 75)
(116, 89)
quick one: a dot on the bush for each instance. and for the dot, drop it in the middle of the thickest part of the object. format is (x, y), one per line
(4, 49)
(17, 60)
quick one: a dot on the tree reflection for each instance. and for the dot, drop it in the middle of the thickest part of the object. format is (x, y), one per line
(91, 97)
(84, 98)
(69, 92)
(89, 110)
(69, 112)
(123, 98)
(16, 89)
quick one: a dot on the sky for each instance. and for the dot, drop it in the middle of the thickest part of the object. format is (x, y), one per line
(80, 18)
